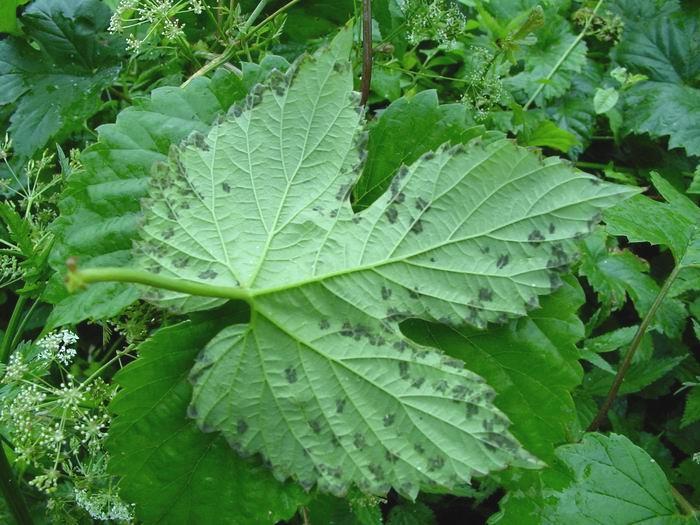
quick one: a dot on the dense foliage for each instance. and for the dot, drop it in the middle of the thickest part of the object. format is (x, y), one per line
(240, 284)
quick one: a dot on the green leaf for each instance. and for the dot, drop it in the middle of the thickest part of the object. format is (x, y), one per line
(675, 223)
(664, 48)
(691, 414)
(321, 381)
(393, 140)
(172, 471)
(532, 363)
(8, 16)
(407, 513)
(605, 99)
(603, 479)
(615, 274)
(664, 109)
(54, 89)
(100, 207)
(639, 376)
(548, 134)
(552, 42)
(355, 509)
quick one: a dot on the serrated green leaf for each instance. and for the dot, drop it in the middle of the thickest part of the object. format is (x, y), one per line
(615, 274)
(465, 234)
(532, 363)
(665, 49)
(55, 88)
(639, 376)
(172, 471)
(603, 479)
(100, 207)
(539, 59)
(393, 140)
(675, 223)
(691, 413)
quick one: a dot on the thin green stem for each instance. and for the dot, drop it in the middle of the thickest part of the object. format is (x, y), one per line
(15, 320)
(229, 52)
(599, 166)
(79, 278)
(634, 345)
(564, 56)
(684, 504)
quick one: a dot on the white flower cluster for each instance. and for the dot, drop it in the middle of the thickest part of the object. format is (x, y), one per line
(58, 346)
(15, 369)
(156, 18)
(696, 457)
(103, 505)
(439, 20)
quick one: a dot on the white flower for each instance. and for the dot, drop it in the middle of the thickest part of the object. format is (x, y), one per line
(58, 346)
(103, 505)
(16, 368)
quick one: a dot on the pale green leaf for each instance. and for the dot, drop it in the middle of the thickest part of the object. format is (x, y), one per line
(321, 381)
(602, 479)
(605, 99)
(172, 471)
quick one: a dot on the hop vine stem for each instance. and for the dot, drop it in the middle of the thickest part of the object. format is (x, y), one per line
(366, 50)
(634, 345)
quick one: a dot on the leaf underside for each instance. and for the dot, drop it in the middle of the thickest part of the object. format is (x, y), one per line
(321, 381)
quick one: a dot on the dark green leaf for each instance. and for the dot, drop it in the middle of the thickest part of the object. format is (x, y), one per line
(172, 471)
(603, 479)
(405, 130)
(55, 88)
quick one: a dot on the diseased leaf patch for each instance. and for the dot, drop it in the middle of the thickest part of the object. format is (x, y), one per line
(321, 381)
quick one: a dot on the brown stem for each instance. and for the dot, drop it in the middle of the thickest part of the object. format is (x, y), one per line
(366, 50)
(636, 341)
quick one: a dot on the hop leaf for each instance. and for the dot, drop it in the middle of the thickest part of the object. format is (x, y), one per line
(321, 381)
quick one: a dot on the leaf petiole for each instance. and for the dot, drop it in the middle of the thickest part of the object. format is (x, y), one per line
(77, 279)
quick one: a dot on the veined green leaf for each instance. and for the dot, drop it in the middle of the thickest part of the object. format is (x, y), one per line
(174, 473)
(55, 88)
(532, 363)
(321, 381)
(603, 479)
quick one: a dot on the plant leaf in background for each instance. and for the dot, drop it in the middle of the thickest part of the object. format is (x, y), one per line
(172, 471)
(55, 88)
(665, 49)
(8, 16)
(462, 235)
(100, 207)
(405, 130)
(539, 59)
(602, 479)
